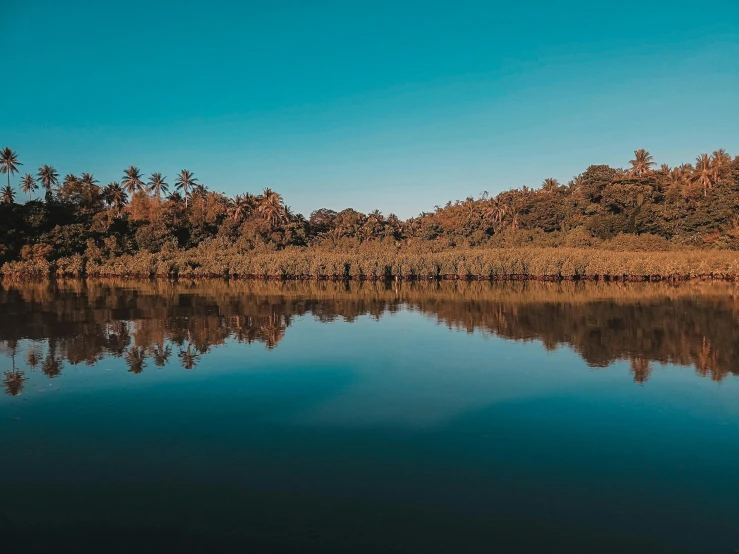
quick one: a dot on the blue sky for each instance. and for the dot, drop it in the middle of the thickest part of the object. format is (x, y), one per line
(391, 105)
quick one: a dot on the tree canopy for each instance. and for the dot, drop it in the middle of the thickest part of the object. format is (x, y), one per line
(692, 205)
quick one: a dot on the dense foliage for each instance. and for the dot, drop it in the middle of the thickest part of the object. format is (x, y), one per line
(138, 225)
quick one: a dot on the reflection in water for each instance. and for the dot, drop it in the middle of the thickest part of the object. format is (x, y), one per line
(159, 321)
(13, 382)
(13, 378)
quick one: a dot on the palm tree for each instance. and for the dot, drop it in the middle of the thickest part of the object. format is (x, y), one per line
(240, 208)
(642, 163)
(200, 190)
(67, 189)
(376, 215)
(7, 196)
(8, 162)
(70, 179)
(90, 189)
(88, 180)
(115, 197)
(175, 197)
(28, 185)
(494, 211)
(550, 185)
(49, 178)
(705, 172)
(132, 180)
(415, 224)
(470, 210)
(271, 208)
(720, 160)
(675, 177)
(721, 157)
(185, 181)
(158, 185)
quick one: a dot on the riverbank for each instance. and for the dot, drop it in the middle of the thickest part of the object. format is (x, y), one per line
(395, 264)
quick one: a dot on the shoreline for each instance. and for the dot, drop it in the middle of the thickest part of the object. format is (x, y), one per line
(378, 279)
(390, 263)
(382, 263)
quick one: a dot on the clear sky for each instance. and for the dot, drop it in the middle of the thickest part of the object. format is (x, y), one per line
(370, 104)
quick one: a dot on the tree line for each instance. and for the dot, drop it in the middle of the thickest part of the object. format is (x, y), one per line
(640, 207)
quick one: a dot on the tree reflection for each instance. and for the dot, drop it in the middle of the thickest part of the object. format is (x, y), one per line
(13, 382)
(188, 357)
(161, 354)
(13, 379)
(642, 324)
(640, 368)
(52, 367)
(33, 358)
(135, 360)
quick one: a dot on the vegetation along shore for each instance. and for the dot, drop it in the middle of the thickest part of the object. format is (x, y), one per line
(641, 222)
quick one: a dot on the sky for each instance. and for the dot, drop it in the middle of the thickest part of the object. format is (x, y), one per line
(397, 106)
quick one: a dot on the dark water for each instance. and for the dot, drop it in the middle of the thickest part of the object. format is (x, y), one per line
(479, 417)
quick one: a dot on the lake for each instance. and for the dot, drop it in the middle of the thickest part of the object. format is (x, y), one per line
(369, 417)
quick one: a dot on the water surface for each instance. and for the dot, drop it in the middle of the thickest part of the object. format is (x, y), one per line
(293, 417)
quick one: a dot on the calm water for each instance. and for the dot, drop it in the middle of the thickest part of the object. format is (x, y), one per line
(467, 417)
